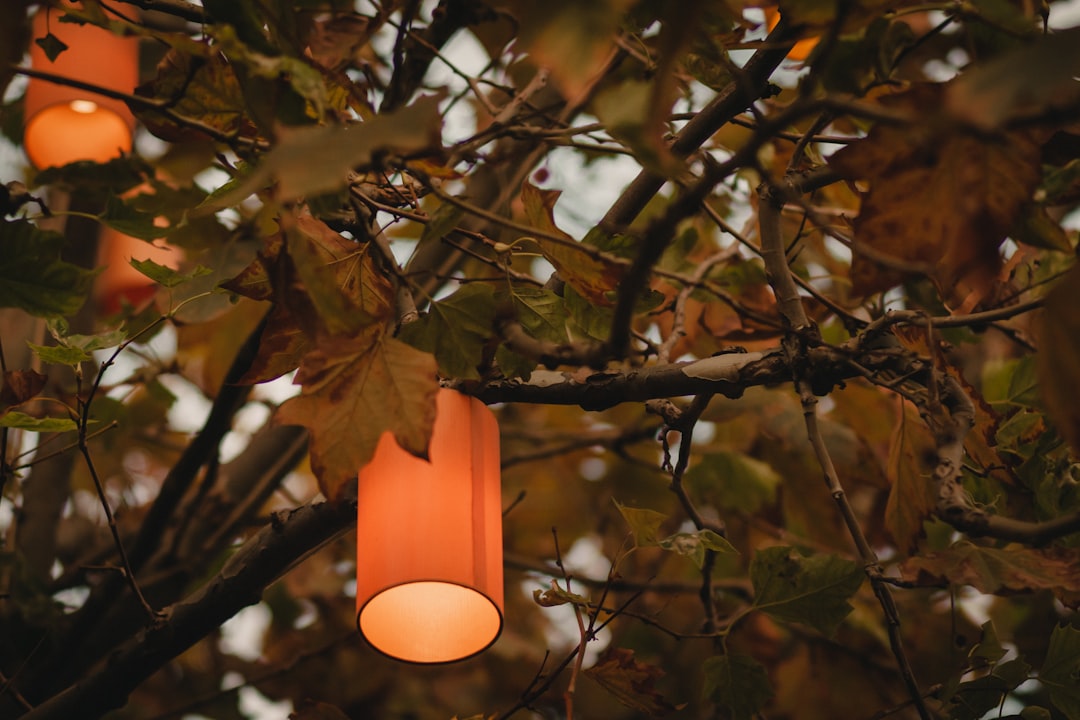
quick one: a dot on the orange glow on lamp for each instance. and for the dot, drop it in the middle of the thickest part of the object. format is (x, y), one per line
(429, 585)
(119, 282)
(66, 124)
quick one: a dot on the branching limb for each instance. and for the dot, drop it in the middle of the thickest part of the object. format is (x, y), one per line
(779, 274)
(287, 540)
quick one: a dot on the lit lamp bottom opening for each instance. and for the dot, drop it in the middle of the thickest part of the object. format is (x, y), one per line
(61, 134)
(430, 622)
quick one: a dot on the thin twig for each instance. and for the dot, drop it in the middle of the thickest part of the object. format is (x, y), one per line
(84, 450)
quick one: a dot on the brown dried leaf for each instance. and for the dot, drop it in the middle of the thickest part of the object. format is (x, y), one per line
(353, 390)
(911, 500)
(631, 682)
(1059, 361)
(339, 276)
(1001, 572)
(593, 279)
(19, 386)
(940, 202)
(282, 346)
(206, 89)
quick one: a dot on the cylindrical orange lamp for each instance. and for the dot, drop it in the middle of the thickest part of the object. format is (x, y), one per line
(66, 124)
(119, 282)
(429, 585)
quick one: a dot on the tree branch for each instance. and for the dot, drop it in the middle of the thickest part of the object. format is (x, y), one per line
(262, 560)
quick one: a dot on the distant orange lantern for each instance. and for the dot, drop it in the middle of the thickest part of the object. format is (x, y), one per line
(66, 124)
(802, 49)
(429, 585)
(119, 282)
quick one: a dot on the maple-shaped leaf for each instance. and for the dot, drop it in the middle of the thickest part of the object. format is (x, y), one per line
(1003, 571)
(631, 682)
(353, 389)
(541, 312)
(339, 275)
(810, 590)
(1061, 670)
(738, 682)
(942, 201)
(594, 279)
(202, 86)
(912, 497)
(734, 480)
(32, 275)
(456, 329)
(644, 524)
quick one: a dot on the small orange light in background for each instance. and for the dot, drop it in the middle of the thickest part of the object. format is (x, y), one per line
(429, 585)
(802, 49)
(66, 124)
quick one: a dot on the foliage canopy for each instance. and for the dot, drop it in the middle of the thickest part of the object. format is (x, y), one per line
(856, 265)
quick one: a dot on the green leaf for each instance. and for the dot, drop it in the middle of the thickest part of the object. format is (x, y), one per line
(22, 421)
(32, 275)
(974, 698)
(737, 682)
(60, 355)
(644, 524)
(313, 160)
(541, 312)
(126, 219)
(989, 647)
(455, 330)
(811, 590)
(166, 276)
(75, 349)
(694, 544)
(734, 481)
(1061, 670)
(441, 222)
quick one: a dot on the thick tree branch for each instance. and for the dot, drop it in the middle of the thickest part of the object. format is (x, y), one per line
(287, 540)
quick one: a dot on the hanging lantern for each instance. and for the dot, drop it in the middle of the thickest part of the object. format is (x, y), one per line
(119, 282)
(429, 585)
(66, 124)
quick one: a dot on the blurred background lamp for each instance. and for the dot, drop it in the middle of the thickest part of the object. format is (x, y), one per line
(66, 124)
(121, 283)
(429, 585)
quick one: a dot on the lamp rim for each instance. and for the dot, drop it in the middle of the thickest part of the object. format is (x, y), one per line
(495, 636)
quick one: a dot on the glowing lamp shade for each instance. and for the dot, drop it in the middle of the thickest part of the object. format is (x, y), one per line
(429, 585)
(66, 124)
(119, 282)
